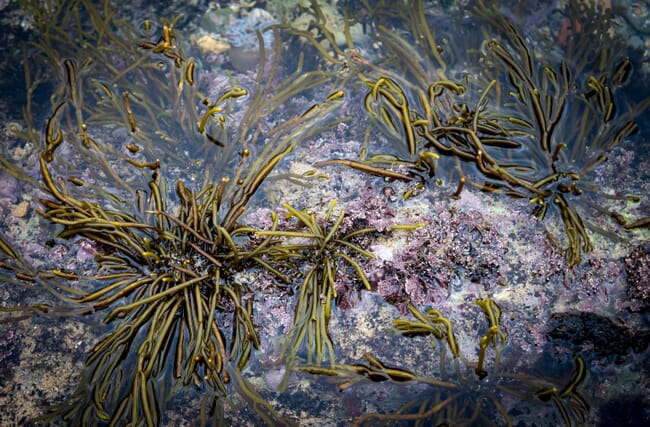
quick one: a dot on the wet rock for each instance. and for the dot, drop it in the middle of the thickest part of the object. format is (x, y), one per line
(9, 343)
(625, 411)
(637, 267)
(595, 336)
(460, 249)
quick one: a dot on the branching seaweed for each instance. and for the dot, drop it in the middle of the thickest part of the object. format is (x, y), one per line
(175, 272)
(456, 397)
(566, 124)
(125, 111)
(520, 127)
(322, 249)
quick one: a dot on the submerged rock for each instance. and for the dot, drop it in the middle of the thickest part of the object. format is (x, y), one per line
(595, 336)
(637, 267)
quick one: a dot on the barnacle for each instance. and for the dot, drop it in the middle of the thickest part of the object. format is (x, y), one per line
(456, 398)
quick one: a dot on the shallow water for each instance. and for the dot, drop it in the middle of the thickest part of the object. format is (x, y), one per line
(575, 338)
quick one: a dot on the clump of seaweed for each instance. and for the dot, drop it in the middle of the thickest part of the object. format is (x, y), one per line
(518, 126)
(321, 249)
(568, 120)
(125, 112)
(458, 397)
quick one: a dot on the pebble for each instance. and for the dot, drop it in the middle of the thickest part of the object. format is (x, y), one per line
(21, 209)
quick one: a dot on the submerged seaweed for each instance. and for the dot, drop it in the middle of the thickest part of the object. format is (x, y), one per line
(157, 172)
(126, 110)
(511, 124)
(321, 253)
(458, 397)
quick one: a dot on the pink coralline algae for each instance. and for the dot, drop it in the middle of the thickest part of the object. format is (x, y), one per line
(86, 251)
(8, 186)
(370, 210)
(439, 258)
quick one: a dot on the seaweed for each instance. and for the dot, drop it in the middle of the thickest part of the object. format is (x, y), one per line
(512, 124)
(320, 253)
(455, 396)
(126, 115)
(134, 157)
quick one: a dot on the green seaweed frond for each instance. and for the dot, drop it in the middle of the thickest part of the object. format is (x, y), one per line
(431, 323)
(323, 251)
